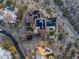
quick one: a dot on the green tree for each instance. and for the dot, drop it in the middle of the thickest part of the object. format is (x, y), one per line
(60, 37)
(47, 2)
(65, 13)
(20, 13)
(21, 10)
(36, 0)
(1, 1)
(49, 11)
(51, 33)
(9, 2)
(58, 2)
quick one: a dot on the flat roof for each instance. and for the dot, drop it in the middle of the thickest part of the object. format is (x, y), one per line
(40, 23)
(51, 22)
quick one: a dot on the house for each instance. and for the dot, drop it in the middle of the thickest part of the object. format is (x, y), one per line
(40, 22)
(43, 51)
(51, 23)
(8, 15)
(46, 26)
(5, 54)
(41, 27)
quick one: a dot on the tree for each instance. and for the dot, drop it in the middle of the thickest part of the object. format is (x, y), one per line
(2, 5)
(60, 37)
(47, 2)
(51, 33)
(21, 10)
(1, 1)
(9, 2)
(65, 13)
(20, 13)
(36, 0)
(49, 11)
(13, 4)
(58, 2)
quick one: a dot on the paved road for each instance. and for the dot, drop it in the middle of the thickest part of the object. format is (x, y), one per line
(14, 42)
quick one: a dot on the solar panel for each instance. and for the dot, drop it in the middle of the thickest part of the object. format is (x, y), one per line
(40, 23)
(51, 23)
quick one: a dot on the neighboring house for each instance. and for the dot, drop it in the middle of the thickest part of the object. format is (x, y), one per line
(5, 54)
(42, 51)
(8, 15)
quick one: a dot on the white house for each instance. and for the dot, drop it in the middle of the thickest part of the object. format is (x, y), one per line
(5, 54)
(8, 15)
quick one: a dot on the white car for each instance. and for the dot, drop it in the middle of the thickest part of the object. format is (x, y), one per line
(51, 37)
